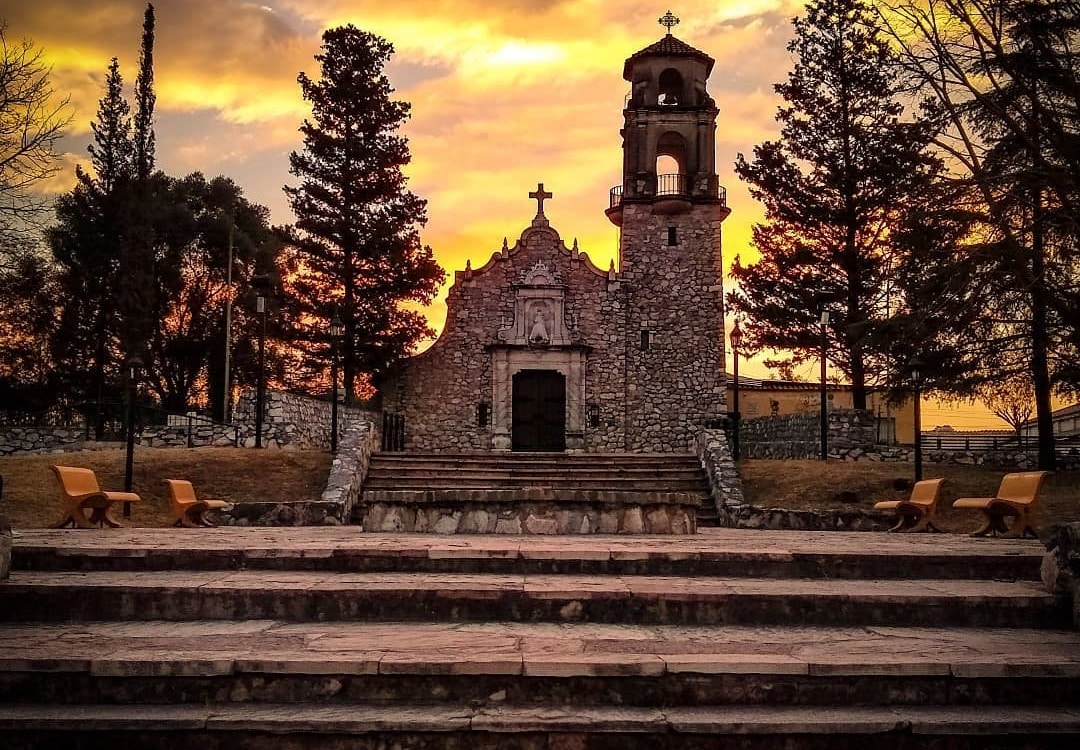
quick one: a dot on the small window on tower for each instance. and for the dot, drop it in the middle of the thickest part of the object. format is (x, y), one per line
(646, 339)
(594, 415)
(672, 236)
(483, 414)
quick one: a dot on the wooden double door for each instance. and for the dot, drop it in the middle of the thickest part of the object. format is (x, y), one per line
(539, 411)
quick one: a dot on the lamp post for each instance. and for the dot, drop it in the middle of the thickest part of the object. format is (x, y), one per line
(337, 328)
(262, 292)
(824, 393)
(134, 363)
(736, 342)
(917, 369)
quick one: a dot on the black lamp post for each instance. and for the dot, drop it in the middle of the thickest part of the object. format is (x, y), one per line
(917, 368)
(261, 283)
(134, 364)
(736, 343)
(337, 329)
(824, 392)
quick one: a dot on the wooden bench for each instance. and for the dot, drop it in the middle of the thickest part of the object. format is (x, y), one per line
(1017, 497)
(80, 492)
(189, 511)
(919, 511)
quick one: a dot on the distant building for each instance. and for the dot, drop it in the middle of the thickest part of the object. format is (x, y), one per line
(1066, 426)
(762, 398)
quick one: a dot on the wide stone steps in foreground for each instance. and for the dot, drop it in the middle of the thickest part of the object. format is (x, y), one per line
(327, 638)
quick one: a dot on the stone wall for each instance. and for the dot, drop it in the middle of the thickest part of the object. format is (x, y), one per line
(350, 467)
(39, 439)
(529, 513)
(1061, 565)
(5, 547)
(724, 484)
(292, 421)
(852, 434)
(347, 473)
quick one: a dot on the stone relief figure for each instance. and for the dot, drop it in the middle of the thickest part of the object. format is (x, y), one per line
(539, 332)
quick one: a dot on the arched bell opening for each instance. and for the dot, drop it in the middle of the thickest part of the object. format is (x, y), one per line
(671, 164)
(671, 88)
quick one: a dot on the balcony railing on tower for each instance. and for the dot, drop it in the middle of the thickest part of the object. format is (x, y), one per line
(666, 185)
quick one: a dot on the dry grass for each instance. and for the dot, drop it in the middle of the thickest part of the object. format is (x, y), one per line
(31, 496)
(840, 484)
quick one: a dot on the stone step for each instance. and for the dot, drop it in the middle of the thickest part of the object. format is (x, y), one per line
(494, 663)
(483, 474)
(624, 484)
(712, 552)
(572, 460)
(314, 596)
(213, 726)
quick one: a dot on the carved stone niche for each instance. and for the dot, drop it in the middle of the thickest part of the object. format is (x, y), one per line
(539, 311)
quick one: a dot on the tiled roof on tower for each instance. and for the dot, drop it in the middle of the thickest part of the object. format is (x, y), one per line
(668, 46)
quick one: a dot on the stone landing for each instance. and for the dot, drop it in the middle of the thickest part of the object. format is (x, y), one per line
(328, 638)
(533, 493)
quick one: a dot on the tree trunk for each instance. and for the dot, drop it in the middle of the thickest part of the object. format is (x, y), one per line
(1040, 342)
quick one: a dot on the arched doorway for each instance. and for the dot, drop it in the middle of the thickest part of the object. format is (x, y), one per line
(538, 416)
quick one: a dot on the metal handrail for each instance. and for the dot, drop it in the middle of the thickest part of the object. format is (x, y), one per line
(670, 184)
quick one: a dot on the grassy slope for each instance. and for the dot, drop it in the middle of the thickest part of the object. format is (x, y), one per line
(31, 496)
(812, 484)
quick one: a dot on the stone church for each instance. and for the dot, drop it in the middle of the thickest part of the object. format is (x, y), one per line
(544, 351)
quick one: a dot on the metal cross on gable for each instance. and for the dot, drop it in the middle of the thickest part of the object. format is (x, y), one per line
(539, 195)
(668, 20)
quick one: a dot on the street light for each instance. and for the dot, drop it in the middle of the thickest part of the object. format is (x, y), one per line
(736, 342)
(337, 329)
(824, 393)
(134, 364)
(261, 282)
(917, 368)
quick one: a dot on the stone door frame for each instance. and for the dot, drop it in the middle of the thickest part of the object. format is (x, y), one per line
(508, 361)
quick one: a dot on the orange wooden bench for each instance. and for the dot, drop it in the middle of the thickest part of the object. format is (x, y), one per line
(919, 511)
(80, 493)
(1017, 497)
(188, 510)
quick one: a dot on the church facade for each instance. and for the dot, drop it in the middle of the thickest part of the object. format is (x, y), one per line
(544, 351)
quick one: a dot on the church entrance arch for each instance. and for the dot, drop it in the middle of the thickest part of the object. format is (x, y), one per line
(538, 411)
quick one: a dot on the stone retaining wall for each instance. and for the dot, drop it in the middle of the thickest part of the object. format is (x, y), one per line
(5, 547)
(852, 433)
(39, 439)
(350, 467)
(724, 484)
(1061, 565)
(294, 422)
(752, 517)
(524, 516)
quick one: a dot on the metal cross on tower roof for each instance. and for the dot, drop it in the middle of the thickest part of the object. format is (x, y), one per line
(669, 19)
(540, 195)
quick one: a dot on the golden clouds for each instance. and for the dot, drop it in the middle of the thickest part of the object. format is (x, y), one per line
(505, 95)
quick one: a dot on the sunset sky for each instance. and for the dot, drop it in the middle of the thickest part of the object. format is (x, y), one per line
(505, 94)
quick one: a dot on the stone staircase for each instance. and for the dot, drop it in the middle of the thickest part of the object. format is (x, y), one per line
(453, 486)
(327, 638)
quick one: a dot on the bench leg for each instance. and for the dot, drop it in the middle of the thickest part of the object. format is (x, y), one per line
(994, 526)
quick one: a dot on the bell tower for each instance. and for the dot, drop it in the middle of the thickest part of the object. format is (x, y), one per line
(669, 208)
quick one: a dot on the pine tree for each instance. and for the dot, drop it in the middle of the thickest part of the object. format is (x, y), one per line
(136, 297)
(841, 177)
(355, 248)
(1005, 86)
(86, 245)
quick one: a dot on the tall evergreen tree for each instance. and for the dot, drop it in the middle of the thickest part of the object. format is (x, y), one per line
(136, 285)
(86, 245)
(1003, 80)
(355, 248)
(841, 177)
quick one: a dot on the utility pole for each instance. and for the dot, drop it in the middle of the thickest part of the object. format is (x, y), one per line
(226, 401)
